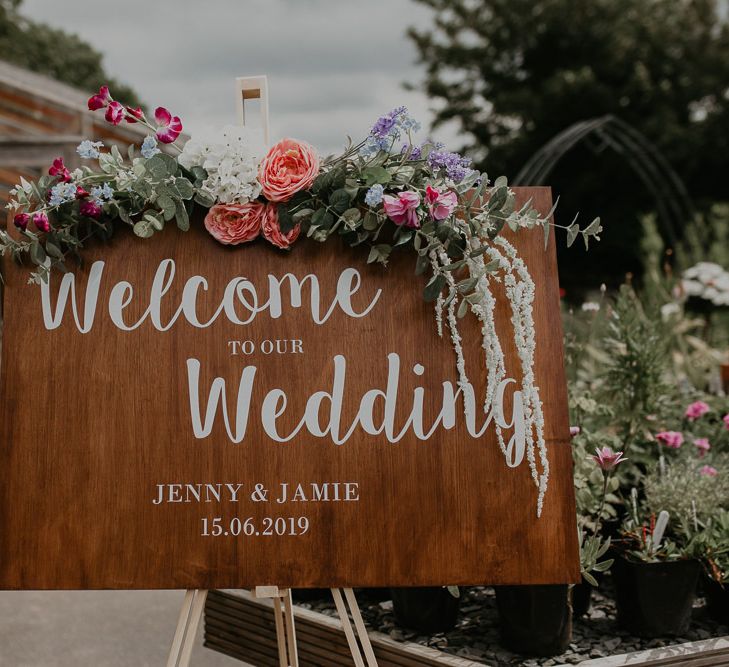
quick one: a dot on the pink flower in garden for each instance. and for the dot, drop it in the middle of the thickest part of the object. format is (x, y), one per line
(696, 410)
(403, 209)
(272, 229)
(671, 439)
(233, 224)
(40, 220)
(100, 100)
(709, 471)
(115, 113)
(21, 221)
(703, 445)
(59, 170)
(440, 204)
(133, 115)
(168, 126)
(574, 430)
(290, 166)
(90, 209)
(725, 419)
(607, 459)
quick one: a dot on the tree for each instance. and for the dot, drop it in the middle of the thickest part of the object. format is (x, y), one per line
(55, 53)
(513, 73)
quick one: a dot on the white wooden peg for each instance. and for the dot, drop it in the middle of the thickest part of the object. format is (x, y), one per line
(253, 88)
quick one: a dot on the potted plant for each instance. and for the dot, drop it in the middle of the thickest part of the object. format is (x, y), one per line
(656, 571)
(716, 567)
(428, 609)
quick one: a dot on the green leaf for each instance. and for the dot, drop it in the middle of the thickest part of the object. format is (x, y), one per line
(422, 263)
(379, 253)
(501, 182)
(434, 287)
(371, 222)
(53, 250)
(352, 216)
(184, 188)
(462, 308)
(143, 229)
(205, 199)
(373, 175)
(167, 206)
(155, 167)
(339, 200)
(572, 232)
(37, 253)
(181, 216)
(546, 234)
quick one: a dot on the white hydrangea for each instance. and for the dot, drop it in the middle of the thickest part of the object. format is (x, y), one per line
(230, 155)
(709, 281)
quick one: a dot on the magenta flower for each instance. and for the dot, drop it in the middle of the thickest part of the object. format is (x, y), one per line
(59, 170)
(90, 209)
(709, 471)
(607, 459)
(115, 113)
(725, 419)
(696, 410)
(440, 204)
(703, 445)
(81, 193)
(574, 430)
(40, 220)
(134, 115)
(21, 221)
(403, 209)
(671, 439)
(100, 100)
(168, 126)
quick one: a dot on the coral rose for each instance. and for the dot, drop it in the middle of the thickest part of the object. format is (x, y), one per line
(235, 223)
(272, 229)
(289, 167)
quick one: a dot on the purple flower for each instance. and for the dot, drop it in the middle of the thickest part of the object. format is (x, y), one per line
(385, 124)
(456, 166)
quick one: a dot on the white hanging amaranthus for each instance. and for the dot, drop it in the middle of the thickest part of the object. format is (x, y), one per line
(519, 289)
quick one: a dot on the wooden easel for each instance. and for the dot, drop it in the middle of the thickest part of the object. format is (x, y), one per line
(249, 88)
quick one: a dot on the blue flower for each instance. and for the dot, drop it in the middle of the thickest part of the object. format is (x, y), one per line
(89, 150)
(387, 130)
(101, 193)
(149, 147)
(456, 166)
(374, 195)
(62, 193)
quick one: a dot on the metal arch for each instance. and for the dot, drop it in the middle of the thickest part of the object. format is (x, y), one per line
(673, 203)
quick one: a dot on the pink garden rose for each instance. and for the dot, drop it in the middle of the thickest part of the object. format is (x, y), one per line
(709, 471)
(403, 209)
(440, 204)
(233, 224)
(272, 229)
(696, 410)
(671, 439)
(290, 166)
(607, 459)
(725, 419)
(703, 445)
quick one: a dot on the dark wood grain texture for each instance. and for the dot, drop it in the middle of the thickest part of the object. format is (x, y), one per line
(91, 423)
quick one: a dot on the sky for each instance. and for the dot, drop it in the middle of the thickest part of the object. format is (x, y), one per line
(333, 66)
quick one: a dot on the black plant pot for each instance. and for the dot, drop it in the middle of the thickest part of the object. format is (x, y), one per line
(373, 594)
(535, 620)
(717, 599)
(655, 599)
(426, 610)
(581, 598)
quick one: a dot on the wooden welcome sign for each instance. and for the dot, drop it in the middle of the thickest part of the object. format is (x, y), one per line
(177, 414)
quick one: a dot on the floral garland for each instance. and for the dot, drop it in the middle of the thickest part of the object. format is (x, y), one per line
(383, 193)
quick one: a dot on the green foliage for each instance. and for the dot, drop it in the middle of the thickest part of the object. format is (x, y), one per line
(511, 74)
(55, 53)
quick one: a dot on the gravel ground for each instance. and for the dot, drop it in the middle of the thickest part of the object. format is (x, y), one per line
(476, 636)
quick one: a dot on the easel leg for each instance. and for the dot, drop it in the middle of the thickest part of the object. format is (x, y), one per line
(283, 614)
(359, 625)
(187, 623)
